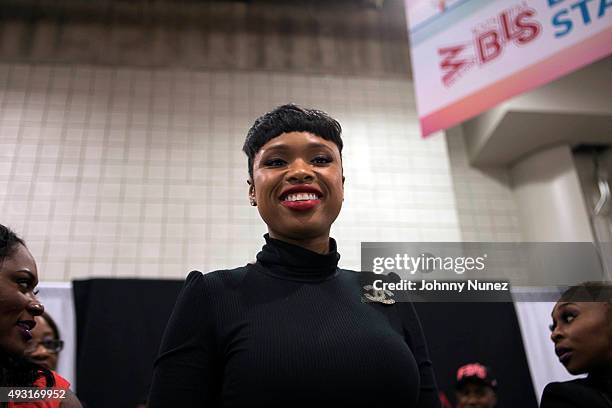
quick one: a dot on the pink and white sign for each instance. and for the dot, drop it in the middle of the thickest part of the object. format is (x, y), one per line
(470, 55)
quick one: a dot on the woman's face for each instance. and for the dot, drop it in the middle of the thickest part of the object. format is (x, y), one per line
(37, 351)
(298, 185)
(582, 333)
(18, 304)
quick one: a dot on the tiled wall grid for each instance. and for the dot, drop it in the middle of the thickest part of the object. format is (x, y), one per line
(486, 206)
(116, 172)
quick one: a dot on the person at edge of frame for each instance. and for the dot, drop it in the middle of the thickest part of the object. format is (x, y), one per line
(581, 331)
(46, 343)
(19, 308)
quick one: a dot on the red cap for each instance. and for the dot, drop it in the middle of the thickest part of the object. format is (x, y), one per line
(475, 372)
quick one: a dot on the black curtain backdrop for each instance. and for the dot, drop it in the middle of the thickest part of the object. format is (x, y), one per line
(461, 333)
(120, 323)
(119, 327)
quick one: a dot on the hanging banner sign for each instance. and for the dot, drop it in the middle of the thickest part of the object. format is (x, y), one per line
(470, 55)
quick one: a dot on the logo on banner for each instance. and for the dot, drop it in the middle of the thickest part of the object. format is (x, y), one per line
(516, 26)
(576, 14)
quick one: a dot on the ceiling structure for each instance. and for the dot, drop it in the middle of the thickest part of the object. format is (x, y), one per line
(341, 37)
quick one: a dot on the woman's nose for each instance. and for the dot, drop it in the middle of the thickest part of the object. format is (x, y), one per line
(39, 351)
(556, 335)
(300, 172)
(35, 307)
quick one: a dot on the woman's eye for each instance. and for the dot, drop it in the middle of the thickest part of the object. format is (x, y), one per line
(23, 283)
(568, 317)
(48, 342)
(321, 160)
(274, 163)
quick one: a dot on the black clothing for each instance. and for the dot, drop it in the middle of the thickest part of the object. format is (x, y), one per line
(580, 393)
(290, 330)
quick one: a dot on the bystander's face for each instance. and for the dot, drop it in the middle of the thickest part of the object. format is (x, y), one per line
(18, 303)
(42, 349)
(475, 395)
(582, 333)
(298, 186)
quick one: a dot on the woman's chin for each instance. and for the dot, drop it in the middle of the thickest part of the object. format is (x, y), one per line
(574, 369)
(305, 232)
(298, 229)
(45, 364)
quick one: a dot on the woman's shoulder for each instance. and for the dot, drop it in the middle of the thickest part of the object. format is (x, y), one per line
(573, 393)
(60, 382)
(215, 280)
(567, 385)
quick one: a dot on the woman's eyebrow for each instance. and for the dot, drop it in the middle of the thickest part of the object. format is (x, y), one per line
(315, 145)
(311, 145)
(280, 146)
(27, 271)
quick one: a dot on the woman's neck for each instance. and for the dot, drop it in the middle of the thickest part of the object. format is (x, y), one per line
(603, 377)
(319, 244)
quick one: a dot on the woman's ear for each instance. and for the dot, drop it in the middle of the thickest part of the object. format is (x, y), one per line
(251, 193)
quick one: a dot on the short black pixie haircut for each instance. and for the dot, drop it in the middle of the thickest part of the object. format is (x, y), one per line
(290, 118)
(9, 241)
(593, 291)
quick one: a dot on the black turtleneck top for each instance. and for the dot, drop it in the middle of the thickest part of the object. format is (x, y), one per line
(589, 392)
(290, 330)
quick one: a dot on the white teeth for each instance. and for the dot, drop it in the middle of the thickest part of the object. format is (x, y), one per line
(301, 197)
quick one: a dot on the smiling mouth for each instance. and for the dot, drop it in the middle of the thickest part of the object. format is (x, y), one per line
(25, 327)
(300, 201)
(293, 197)
(26, 324)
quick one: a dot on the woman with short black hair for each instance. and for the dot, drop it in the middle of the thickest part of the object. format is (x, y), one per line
(582, 334)
(291, 329)
(19, 308)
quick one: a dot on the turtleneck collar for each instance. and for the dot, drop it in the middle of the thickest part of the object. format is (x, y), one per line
(287, 261)
(602, 382)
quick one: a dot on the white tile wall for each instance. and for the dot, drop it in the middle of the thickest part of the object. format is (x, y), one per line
(129, 172)
(486, 205)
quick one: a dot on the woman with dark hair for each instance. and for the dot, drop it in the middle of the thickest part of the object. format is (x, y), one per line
(291, 329)
(582, 333)
(46, 343)
(18, 309)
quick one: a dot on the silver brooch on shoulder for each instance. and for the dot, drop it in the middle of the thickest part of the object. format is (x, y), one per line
(377, 295)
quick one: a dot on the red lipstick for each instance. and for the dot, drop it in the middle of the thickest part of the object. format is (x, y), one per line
(303, 205)
(24, 329)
